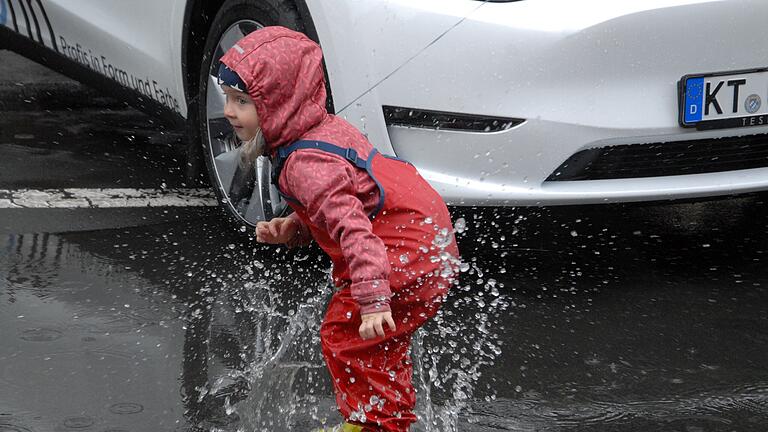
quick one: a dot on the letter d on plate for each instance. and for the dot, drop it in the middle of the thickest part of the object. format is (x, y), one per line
(694, 99)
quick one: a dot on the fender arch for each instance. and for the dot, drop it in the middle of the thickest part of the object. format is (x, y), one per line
(198, 17)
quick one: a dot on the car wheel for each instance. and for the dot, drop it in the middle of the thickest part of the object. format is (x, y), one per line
(244, 192)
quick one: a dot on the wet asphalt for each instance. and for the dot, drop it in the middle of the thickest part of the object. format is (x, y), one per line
(595, 318)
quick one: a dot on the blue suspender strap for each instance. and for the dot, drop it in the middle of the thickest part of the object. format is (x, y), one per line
(368, 165)
(347, 153)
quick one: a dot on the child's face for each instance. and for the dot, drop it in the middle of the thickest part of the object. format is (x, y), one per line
(241, 113)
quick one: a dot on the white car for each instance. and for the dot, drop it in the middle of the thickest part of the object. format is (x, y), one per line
(534, 102)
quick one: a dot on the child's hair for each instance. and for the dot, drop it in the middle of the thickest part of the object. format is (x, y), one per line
(250, 150)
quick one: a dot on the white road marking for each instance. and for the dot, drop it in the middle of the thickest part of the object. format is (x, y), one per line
(105, 198)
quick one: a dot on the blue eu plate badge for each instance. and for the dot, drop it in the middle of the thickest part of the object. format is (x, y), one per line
(694, 99)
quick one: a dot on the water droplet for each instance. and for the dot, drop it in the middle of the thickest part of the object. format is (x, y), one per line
(460, 225)
(443, 238)
(446, 272)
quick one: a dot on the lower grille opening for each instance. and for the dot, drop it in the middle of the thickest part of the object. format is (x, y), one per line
(665, 159)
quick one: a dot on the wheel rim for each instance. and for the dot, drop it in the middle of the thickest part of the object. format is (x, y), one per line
(246, 191)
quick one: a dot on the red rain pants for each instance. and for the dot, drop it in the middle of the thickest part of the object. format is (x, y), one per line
(372, 378)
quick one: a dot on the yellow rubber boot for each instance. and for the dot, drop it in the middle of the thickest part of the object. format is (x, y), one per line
(346, 427)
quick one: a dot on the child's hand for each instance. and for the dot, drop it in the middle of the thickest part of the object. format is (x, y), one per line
(373, 324)
(276, 231)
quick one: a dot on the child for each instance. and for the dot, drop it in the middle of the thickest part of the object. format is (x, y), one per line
(387, 232)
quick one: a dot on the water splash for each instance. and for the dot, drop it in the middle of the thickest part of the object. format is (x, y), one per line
(451, 353)
(279, 359)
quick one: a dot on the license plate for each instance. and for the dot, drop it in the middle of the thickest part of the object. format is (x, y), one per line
(724, 100)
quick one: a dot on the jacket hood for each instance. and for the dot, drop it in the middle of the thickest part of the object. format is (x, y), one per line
(283, 72)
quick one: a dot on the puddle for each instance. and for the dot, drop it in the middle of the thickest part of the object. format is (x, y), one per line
(166, 332)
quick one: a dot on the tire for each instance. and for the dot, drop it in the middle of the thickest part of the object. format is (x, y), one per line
(246, 195)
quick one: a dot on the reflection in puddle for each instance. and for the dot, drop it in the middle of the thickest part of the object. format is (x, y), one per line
(76, 343)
